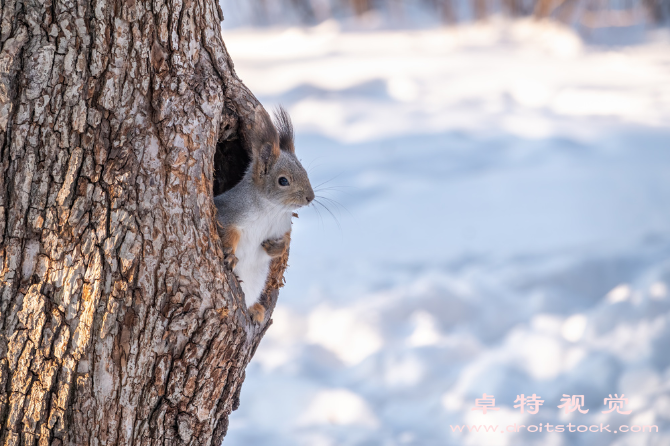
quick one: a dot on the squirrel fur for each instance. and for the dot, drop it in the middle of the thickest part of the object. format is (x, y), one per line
(255, 215)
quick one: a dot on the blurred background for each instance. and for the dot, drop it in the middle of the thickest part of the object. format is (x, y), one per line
(497, 182)
(583, 14)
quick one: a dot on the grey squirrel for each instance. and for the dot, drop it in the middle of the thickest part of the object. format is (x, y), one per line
(255, 215)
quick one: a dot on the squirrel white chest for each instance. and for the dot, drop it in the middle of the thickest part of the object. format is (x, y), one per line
(253, 262)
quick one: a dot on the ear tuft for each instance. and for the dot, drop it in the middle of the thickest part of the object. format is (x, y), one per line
(285, 129)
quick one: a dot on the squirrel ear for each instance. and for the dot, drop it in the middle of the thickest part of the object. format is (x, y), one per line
(267, 156)
(264, 143)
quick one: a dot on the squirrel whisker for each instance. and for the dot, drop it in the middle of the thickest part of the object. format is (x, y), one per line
(310, 166)
(337, 188)
(336, 203)
(327, 181)
(318, 212)
(329, 211)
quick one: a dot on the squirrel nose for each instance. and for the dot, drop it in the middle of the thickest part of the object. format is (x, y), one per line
(309, 196)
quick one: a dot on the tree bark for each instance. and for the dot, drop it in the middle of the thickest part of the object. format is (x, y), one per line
(119, 324)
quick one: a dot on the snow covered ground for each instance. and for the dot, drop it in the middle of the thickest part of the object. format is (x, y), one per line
(503, 227)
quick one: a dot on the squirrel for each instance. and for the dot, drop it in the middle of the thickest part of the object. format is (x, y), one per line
(255, 215)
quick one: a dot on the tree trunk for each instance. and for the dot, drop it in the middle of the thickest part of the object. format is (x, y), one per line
(118, 323)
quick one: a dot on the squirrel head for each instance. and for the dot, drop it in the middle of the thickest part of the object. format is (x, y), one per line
(275, 168)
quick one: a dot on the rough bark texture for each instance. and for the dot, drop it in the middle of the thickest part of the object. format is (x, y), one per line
(118, 323)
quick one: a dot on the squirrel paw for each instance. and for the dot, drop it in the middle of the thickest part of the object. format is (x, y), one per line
(257, 313)
(229, 258)
(275, 247)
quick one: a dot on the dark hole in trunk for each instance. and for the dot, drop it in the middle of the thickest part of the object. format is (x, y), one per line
(230, 162)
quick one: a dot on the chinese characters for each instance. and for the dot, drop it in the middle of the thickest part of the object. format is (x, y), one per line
(571, 403)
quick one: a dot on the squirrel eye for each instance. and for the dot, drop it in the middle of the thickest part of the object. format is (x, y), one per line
(283, 181)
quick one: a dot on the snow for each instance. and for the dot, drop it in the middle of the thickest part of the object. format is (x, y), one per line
(502, 227)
